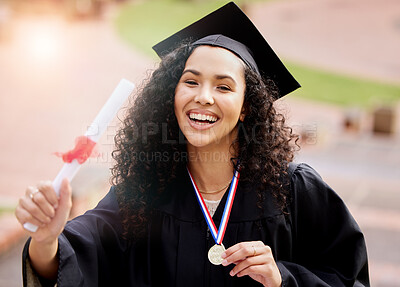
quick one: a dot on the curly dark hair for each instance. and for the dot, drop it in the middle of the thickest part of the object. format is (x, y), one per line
(149, 141)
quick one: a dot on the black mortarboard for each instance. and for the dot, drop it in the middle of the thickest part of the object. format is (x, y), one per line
(232, 23)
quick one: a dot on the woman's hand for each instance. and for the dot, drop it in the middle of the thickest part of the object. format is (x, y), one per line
(255, 259)
(41, 207)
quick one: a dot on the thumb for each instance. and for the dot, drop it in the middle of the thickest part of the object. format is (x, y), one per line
(57, 224)
(65, 201)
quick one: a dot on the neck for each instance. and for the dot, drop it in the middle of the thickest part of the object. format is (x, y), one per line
(211, 169)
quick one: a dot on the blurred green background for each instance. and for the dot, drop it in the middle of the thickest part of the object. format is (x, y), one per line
(61, 59)
(169, 16)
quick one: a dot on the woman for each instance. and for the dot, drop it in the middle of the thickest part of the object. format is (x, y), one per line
(202, 147)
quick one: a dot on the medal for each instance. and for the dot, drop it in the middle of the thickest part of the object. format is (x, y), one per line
(214, 254)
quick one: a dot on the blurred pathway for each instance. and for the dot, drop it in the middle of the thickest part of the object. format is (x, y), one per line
(47, 99)
(54, 78)
(357, 37)
(361, 38)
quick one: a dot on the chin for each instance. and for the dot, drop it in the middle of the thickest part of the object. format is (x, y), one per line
(198, 143)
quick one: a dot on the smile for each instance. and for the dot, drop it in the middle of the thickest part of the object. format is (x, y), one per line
(203, 120)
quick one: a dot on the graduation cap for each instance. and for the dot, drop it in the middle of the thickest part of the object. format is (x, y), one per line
(228, 27)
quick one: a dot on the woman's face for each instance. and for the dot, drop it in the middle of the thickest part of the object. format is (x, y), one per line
(209, 96)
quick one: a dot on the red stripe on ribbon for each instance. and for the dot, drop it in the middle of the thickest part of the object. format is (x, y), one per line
(222, 227)
(82, 151)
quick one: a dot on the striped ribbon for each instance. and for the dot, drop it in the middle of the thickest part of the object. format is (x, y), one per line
(218, 235)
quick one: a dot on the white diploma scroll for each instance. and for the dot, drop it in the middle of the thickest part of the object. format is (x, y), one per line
(94, 132)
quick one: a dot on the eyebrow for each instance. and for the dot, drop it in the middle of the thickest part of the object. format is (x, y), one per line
(197, 73)
(218, 77)
(221, 77)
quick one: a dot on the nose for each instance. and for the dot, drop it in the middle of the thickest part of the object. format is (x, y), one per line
(204, 96)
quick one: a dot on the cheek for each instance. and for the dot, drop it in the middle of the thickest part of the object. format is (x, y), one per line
(236, 107)
(182, 96)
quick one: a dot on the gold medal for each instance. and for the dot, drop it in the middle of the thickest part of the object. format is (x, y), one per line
(214, 254)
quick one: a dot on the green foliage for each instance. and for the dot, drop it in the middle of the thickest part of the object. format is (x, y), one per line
(143, 24)
(341, 89)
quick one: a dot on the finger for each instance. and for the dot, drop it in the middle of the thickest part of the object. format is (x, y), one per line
(24, 216)
(232, 250)
(30, 191)
(46, 188)
(248, 263)
(33, 209)
(37, 196)
(41, 201)
(260, 270)
(238, 252)
(65, 202)
(235, 248)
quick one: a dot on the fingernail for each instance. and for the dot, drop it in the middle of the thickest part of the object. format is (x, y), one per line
(232, 273)
(224, 262)
(223, 255)
(55, 206)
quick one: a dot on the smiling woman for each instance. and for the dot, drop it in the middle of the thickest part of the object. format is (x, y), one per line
(202, 146)
(209, 98)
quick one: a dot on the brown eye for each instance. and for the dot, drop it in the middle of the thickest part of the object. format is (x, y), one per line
(224, 88)
(191, 83)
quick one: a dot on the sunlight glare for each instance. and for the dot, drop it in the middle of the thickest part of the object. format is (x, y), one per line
(44, 43)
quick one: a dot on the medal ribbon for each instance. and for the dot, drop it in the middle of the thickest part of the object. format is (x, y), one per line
(218, 235)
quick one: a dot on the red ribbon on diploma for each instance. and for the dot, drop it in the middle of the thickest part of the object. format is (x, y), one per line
(82, 151)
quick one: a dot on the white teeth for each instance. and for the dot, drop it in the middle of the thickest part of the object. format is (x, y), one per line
(200, 117)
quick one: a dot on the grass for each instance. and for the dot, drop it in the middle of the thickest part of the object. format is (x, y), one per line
(342, 90)
(146, 23)
(143, 24)
(6, 209)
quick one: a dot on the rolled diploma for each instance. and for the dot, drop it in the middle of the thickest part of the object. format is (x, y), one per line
(94, 132)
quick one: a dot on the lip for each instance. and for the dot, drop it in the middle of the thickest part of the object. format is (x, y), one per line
(203, 126)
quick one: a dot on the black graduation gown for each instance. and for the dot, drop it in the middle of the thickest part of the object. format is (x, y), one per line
(317, 244)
